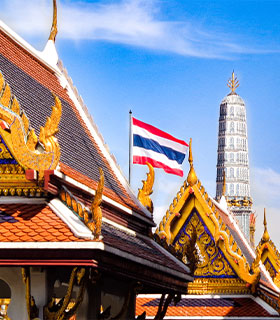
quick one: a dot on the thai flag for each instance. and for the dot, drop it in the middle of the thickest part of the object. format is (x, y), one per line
(157, 147)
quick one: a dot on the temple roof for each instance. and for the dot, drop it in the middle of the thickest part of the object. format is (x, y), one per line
(82, 148)
(54, 216)
(233, 98)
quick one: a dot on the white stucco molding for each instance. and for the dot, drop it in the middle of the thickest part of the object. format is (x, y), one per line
(79, 229)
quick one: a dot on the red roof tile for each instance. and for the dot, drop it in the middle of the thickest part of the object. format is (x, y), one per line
(192, 307)
(31, 223)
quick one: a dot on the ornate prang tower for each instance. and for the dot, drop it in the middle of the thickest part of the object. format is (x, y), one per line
(233, 157)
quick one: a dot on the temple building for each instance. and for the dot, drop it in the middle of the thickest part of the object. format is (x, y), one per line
(231, 279)
(233, 160)
(75, 242)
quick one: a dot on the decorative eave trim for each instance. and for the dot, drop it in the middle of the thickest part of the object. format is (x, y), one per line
(104, 198)
(269, 290)
(266, 306)
(93, 245)
(67, 83)
(39, 55)
(78, 228)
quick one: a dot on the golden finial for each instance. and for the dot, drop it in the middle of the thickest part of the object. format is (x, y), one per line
(54, 24)
(233, 83)
(265, 237)
(147, 189)
(192, 178)
(224, 183)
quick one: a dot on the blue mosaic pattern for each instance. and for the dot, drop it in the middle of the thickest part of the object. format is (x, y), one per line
(6, 161)
(267, 261)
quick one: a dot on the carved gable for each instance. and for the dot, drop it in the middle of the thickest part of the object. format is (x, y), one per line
(212, 262)
(209, 240)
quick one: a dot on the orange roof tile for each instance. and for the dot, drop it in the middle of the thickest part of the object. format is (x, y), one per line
(192, 307)
(29, 223)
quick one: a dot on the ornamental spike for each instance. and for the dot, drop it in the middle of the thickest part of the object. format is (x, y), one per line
(53, 32)
(265, 237)
(192, 178)
(233, 83)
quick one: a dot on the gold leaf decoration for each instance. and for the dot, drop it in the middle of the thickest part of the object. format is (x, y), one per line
(96, 211)
(21, 140)
(147, 189)
(92, 217)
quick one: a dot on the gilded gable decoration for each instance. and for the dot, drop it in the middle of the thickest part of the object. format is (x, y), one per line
(219, 255)
(147, 189)
(211, 262)
(21, 140)
(267, 253)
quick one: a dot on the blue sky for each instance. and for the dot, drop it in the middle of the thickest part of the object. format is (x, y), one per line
(169, 61)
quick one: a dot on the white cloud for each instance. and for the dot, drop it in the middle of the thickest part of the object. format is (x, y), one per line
(265, 186)
(131, 22)
(265, 191)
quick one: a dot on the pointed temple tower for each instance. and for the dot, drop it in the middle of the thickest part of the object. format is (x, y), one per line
(233, 157)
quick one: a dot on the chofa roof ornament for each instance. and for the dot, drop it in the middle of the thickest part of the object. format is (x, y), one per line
(53, 32)
(21, 140)
(147, 189)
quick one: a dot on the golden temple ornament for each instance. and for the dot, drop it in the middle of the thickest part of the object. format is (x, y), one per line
(192, 178)
(265, 237)
(53, 32)
(95, 225)
(147, 189)
(21, 140)
(233, 83)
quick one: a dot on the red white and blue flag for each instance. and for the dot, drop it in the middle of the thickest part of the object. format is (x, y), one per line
(158, 148)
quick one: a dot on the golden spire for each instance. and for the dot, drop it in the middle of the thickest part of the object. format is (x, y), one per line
(192, 178)
(224, 183)
(233, 83)
(54, 24)
(265, 237)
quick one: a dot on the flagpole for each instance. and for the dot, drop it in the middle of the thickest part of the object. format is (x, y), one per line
(130, 149)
